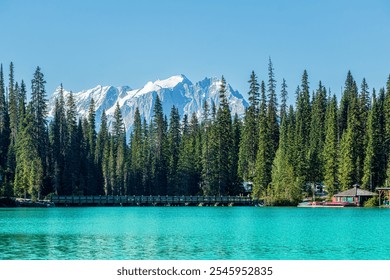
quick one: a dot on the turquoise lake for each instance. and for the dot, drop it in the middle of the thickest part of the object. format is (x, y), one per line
(204, 233)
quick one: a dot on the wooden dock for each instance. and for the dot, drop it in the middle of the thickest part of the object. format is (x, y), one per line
(125, 200)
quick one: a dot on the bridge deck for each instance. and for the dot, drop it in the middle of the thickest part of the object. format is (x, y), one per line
(124, 200)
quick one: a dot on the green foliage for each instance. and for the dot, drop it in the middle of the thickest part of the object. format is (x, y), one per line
(346, 164)
(285, 189)
(28, 172)
(330, 151)
(315, 142)
(264, 156)
(372, 202)
(250, 133)
(224, 137)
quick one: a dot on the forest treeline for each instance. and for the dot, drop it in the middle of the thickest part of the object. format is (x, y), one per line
(283, 150)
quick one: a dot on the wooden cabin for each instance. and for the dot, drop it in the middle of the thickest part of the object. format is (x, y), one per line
(355, 195)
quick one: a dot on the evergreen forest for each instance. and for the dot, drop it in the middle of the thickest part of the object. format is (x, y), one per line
(283, 150)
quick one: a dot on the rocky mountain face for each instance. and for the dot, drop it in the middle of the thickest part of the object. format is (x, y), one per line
(175, 91)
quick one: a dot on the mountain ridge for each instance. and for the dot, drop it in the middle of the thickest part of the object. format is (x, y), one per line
(176, 91)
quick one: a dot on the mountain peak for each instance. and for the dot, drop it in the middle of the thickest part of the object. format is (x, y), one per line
(176, 91)
(171, 82)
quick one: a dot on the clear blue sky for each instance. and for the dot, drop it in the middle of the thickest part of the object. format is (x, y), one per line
(85, 43)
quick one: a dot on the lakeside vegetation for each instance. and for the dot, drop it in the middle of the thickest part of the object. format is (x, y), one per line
(284, 150)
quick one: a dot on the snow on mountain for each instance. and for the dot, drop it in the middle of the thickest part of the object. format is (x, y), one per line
(175, 91)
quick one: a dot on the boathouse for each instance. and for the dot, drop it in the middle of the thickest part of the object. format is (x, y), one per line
(355, 195)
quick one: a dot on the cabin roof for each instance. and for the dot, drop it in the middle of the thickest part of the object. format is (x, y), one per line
(355, 191)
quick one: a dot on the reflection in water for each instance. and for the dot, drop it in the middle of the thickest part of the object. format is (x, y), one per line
(194, 233)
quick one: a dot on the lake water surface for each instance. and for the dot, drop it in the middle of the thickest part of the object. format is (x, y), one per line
(194, 233)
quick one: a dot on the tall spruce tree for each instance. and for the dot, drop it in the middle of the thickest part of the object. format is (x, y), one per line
(272, 110)
(345, 162)
(208, 151)
(22, 96)
(13, 89)
(5, 188)
(101, 140)
(72, 154)
(147, 159)
(119, 154)
(29, 171)
(39, 109)
(264, 153)
(285, 189)
(302, 131)
(173, 152)
(283, 100)
(317, 135)
(224, 138)
(58, 142)
(350, 92)
(136, 145)
(330, 151)
(92, 186)
(374, 162)
(189, 163)
(250, 134)
(387, 130)
(236, 181)
(159, 141)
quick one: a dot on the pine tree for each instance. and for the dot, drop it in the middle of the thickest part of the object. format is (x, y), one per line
(330, 151)
(250, 133)
(224, 138)
(118, 157)
(136, 144)
(29, 172)
(317, 136)
(374, 162)
(147, 159)
(39, 109)
(173, 152)
(283, 100)
(208, 149)
(362, 107)
(22, 102)
(159, 166)
(72, 150)
(272, 115)
(101, 142)
(190, 159)
(3, 111)
(264, 153)
(5, 188)
(350, 92)
(236, 181)
(345, 162)
(121, 166)
(92, 128)
(387, 130)
(92, 186)
(106, 166)
(285, 189)
(13, 89)
(197, 143)
(58, 142)
(302, 131)
(101, 138)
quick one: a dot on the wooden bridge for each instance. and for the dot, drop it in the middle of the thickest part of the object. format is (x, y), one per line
(125, 200)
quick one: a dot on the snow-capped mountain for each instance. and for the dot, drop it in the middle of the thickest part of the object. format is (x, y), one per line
(175, 91)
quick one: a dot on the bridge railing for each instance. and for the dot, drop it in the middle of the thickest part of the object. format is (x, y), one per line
(149, 200)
